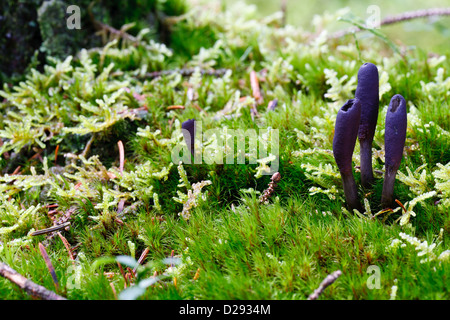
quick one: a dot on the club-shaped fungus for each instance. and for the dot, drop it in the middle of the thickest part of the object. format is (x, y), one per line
(394, 141)
(189, 134)
(345, 133)
(367, 93)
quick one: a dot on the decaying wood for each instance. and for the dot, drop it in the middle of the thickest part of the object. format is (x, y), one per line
(27, 285)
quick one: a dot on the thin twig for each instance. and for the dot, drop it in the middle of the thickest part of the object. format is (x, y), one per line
(186, 72)
(410, 15)
(51, 229)
(29, 286)
(324, 284)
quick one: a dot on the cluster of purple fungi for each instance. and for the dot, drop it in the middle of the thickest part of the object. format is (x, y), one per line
(357, 118)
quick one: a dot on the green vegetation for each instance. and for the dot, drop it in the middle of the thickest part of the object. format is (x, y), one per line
(62, 132)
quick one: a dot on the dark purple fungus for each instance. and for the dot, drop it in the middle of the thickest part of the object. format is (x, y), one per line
(189, 134)
(272, 105)
(394, 141)
(367, 93)
(345, 133)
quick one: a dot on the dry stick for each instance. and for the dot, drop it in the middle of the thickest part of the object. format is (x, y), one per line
(51, 229)
(49, 264)
(186, 72)
(29, 286)
(102, 26)
(324, 284)
(410, 15)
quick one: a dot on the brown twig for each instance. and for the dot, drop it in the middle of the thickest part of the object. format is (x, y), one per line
(103, 28)
(51, 229)
(29, 286)
(186, 72)
(324, 284)
(410, 15)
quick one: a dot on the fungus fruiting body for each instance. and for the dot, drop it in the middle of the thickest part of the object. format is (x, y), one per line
(367, 92)
(345, 133)
(188, 127)
(394, 141)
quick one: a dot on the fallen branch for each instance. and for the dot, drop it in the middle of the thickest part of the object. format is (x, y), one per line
(324, 284)
(29, 286)
(186, 72)
(51, 229)
(399, 18)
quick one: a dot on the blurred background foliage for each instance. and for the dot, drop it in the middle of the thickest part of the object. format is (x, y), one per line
(30, 30)
(432, 34)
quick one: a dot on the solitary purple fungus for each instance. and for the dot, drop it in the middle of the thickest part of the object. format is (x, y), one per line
(394, 142)
(189, 134)
(345, 133)
(367, 93)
